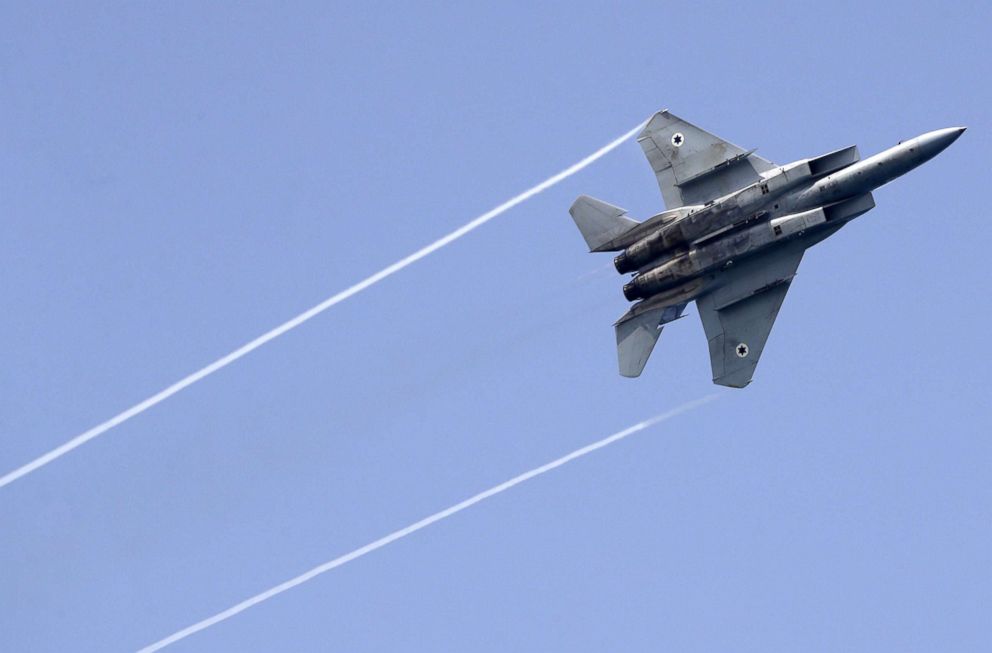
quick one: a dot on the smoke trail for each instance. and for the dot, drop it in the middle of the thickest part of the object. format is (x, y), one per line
(416, 526)
(141, 407)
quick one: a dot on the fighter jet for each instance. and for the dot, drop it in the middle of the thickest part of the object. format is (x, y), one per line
(731, 239)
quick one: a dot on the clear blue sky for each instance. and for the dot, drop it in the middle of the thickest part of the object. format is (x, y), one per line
(176, 179)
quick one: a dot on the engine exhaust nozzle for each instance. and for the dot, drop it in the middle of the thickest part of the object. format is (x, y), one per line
(632, 291)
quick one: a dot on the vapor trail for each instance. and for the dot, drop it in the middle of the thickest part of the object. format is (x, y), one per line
(141, 407)
(416, 526)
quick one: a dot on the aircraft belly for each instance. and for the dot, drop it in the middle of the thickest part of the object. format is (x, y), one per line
(733, 236)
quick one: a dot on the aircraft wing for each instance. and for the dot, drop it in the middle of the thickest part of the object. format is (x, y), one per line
(738, 316)
(692, 165)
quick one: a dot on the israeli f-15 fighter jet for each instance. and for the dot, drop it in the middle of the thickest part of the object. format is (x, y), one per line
(734, 232)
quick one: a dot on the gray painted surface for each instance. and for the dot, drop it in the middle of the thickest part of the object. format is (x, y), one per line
(637, 336)
(599, 222)
(733, 236)
(692, 165)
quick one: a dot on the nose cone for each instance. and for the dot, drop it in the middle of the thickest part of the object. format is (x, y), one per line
(949, 135)
(933, 143)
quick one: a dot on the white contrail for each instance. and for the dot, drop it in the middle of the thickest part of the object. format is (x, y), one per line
(416, 526)
(141, 407)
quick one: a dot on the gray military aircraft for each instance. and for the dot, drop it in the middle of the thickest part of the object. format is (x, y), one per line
(736, 228)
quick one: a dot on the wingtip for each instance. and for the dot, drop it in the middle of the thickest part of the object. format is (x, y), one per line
(663, 114)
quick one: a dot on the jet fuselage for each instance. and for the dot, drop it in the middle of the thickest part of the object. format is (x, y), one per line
(809, 199)
(733, 236)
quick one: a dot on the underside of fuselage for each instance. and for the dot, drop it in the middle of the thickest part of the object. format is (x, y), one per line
(733, 236)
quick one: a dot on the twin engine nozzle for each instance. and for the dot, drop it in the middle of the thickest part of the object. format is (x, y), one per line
(656, 249)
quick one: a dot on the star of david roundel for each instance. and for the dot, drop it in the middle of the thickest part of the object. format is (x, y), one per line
(678, 139)
(742, 350)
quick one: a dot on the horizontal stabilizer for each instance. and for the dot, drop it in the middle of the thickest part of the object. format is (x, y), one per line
(637, 336)
(600, 222)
